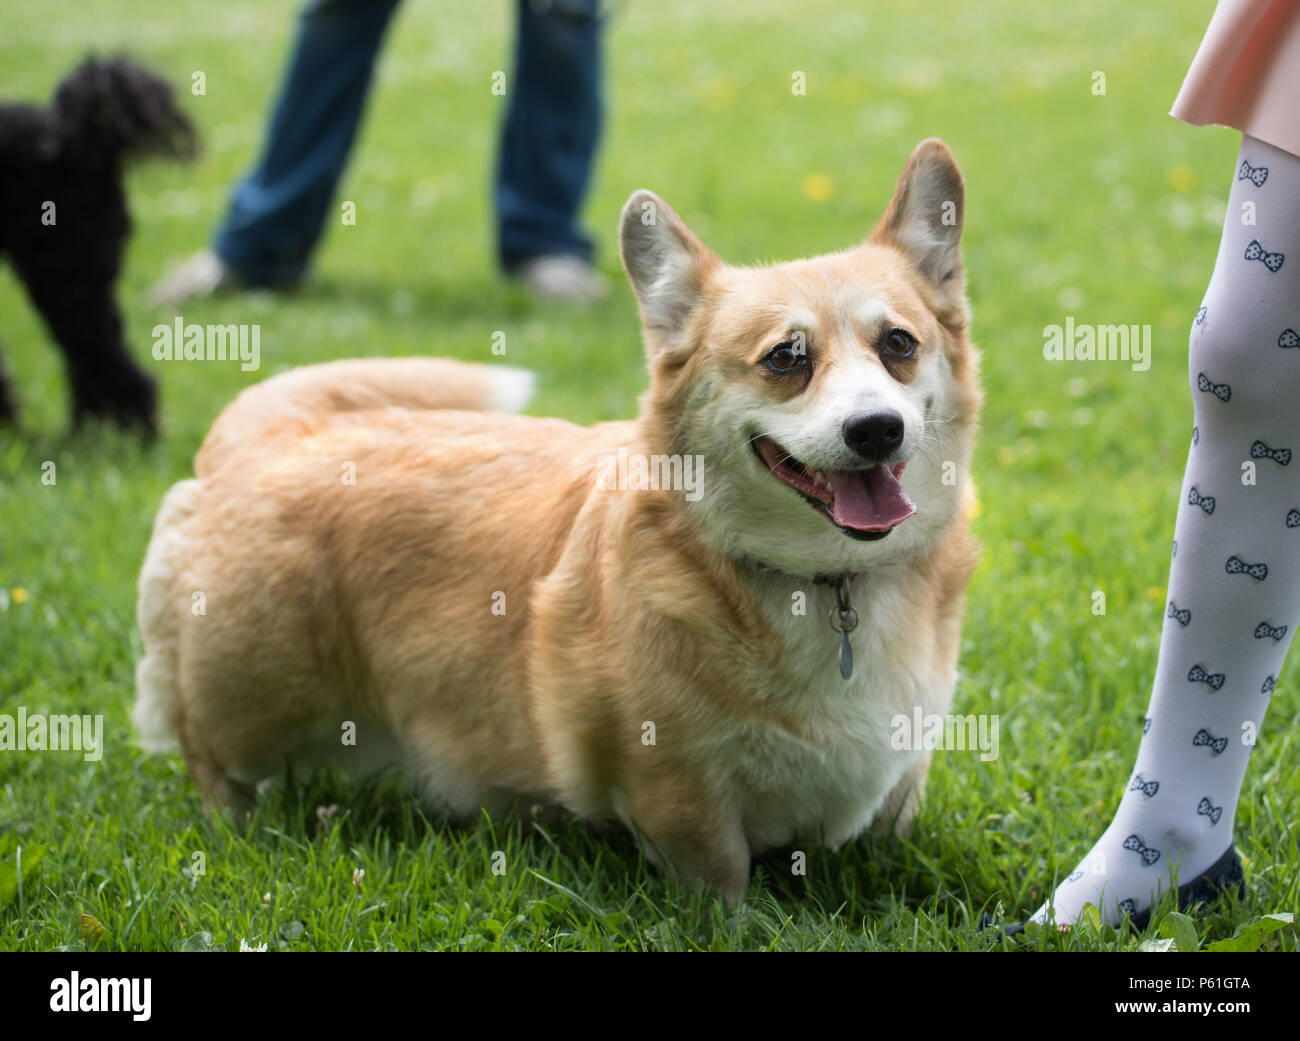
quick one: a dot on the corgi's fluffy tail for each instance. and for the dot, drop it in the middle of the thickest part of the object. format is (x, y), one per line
(284, 402)
(314, 391)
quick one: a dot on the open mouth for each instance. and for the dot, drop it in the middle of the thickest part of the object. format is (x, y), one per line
(864, 504)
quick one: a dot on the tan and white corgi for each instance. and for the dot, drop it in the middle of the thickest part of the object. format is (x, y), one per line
(372, 562)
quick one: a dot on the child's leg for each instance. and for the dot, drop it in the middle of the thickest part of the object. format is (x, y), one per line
(1234, 585)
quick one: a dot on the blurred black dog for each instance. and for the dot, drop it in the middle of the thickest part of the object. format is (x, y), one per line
(65, 223)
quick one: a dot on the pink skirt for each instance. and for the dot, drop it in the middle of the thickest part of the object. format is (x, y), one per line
(1246, 74)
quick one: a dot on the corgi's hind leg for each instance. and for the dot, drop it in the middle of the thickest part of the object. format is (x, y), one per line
(220, 791)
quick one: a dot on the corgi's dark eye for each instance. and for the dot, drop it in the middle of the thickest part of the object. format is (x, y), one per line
(899, 343)
(785, 357)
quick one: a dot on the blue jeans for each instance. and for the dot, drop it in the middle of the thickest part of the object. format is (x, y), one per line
(548, 143)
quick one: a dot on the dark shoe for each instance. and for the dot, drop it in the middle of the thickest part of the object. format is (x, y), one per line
(1224, 874)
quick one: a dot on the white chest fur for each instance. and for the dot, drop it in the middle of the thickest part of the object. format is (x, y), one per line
(827, 782)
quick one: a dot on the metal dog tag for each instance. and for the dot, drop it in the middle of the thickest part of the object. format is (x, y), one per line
(847, 622)
(846, 655)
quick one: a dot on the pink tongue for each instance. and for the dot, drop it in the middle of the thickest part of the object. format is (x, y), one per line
(869, 500)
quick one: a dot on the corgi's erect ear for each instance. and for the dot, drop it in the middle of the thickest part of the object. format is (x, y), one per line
(666, 264)
(925, 217)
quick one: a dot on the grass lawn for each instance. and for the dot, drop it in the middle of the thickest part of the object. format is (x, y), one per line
(1096, 206)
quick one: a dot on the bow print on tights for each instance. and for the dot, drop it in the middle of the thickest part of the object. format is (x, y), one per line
(1148, 854)
(1220, 390)
(1259, 450)
(1272, 261)
(1256, 174)
(1237, 566)
(1204, 739)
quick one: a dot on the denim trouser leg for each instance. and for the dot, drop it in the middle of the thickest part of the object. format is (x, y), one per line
(277, 212)
(551, 127)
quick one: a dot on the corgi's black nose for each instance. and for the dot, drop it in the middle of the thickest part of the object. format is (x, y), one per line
(874, 435)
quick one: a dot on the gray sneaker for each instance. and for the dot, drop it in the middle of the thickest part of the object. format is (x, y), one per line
(562, 276)
(202, 275)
